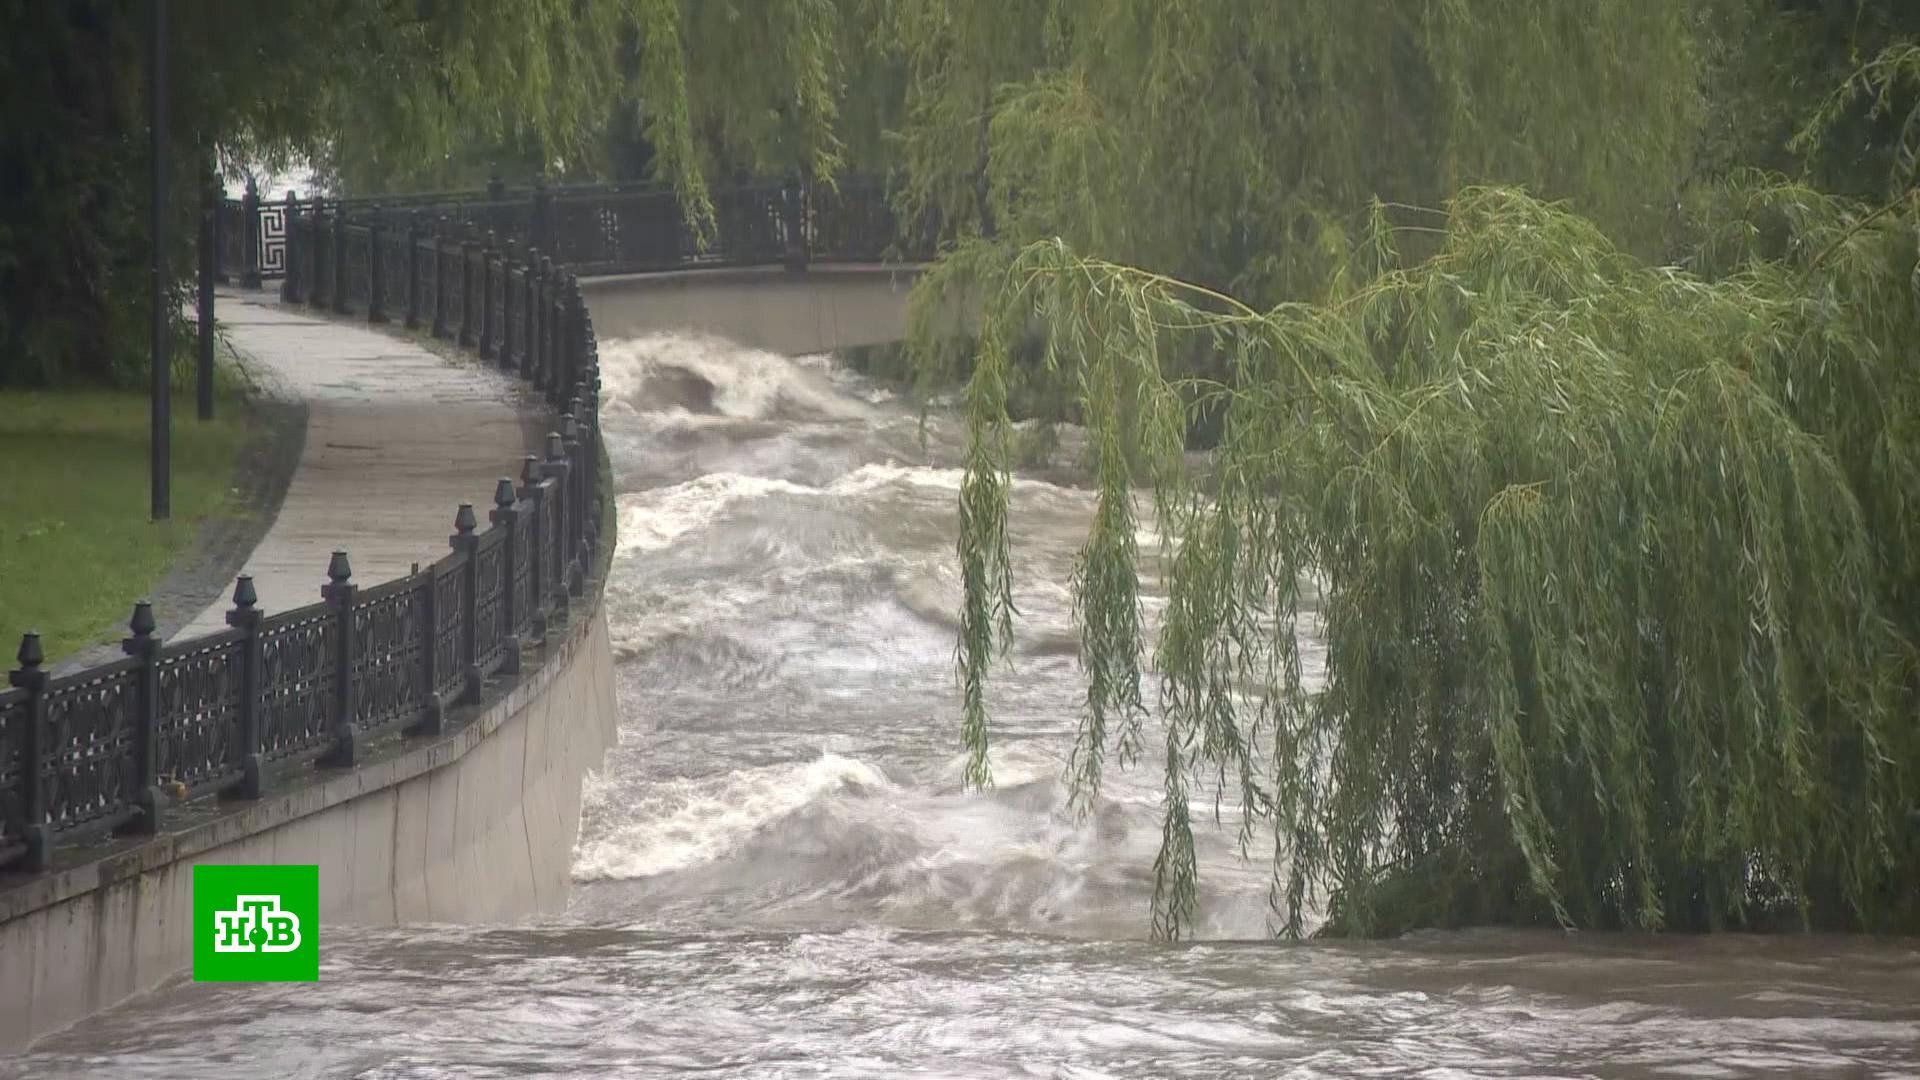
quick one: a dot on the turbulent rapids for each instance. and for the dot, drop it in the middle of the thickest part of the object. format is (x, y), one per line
(783, 609)
(779, 872)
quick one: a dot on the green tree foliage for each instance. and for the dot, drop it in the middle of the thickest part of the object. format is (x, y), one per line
(1889, 88)
(1211, 140)
(1767, 63)
(764, 98)
(373, 88)
(1614, 566)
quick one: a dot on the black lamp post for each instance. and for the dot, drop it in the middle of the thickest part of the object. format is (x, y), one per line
(162, 411)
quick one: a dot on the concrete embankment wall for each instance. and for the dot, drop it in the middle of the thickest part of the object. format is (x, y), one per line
(476, 826)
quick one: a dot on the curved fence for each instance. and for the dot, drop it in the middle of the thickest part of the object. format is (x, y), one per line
(110, 748)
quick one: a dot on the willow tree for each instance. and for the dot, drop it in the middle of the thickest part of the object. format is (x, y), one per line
(1614, 565)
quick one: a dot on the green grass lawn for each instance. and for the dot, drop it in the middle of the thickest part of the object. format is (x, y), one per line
(76, 546)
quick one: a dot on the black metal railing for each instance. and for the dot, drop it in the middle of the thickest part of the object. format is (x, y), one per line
(108, 749)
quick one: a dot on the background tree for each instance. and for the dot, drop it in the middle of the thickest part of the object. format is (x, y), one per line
(370, 87)
(1769, 63)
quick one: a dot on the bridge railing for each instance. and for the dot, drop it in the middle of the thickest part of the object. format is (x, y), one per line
(599, 228)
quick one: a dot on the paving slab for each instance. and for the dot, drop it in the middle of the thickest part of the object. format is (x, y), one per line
(397, 437)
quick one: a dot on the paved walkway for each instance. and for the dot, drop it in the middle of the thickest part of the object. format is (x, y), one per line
(396, 438)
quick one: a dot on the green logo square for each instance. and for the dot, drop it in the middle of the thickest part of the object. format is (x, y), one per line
(256, 924)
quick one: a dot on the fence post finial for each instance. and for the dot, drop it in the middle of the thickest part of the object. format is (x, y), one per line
(142, 624)
(30, 653)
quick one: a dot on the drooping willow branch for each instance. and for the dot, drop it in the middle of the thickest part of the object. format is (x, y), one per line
(1613, 565)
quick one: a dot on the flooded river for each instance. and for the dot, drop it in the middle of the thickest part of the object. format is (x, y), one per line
(779, 874)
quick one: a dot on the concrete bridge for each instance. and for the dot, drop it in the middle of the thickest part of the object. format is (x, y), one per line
(821, 309)
(457, 798)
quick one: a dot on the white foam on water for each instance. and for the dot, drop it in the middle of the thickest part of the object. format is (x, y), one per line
(655, 519)
(673, 824)
(932, 591)
(879, 476)
(748, 384)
